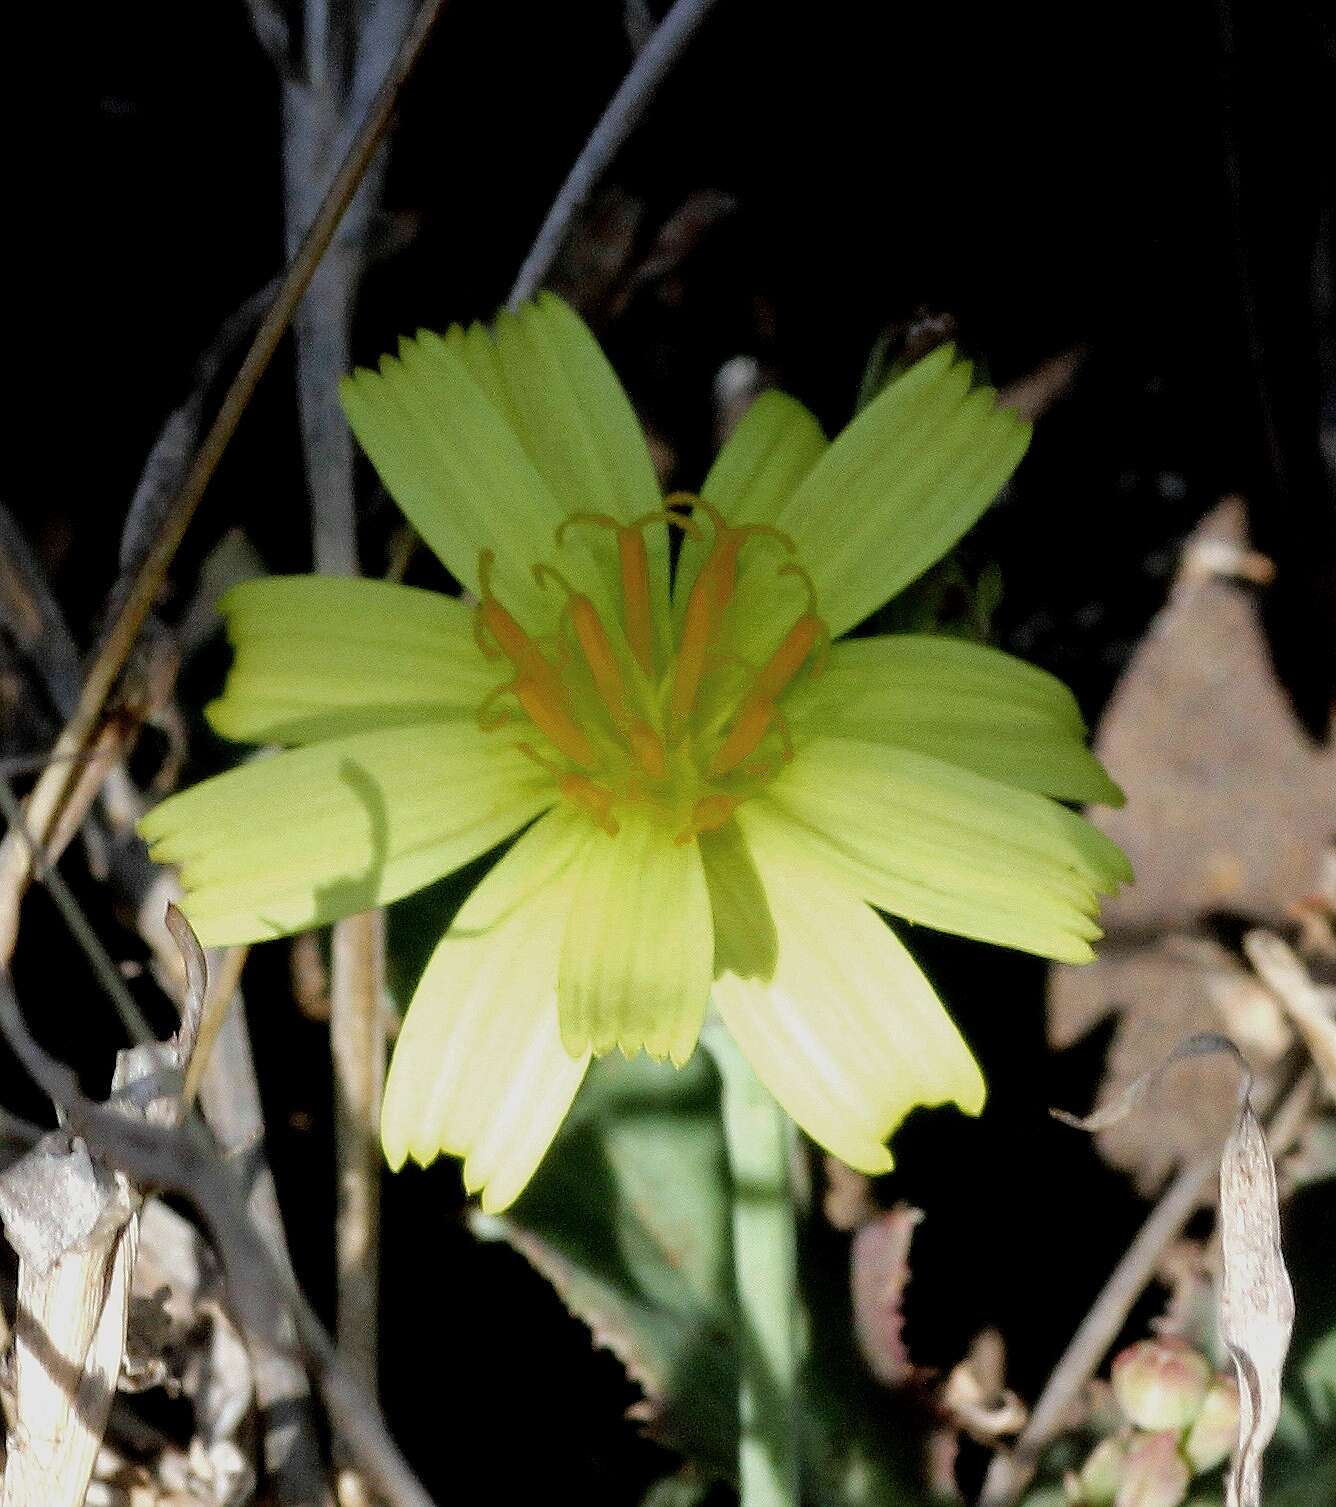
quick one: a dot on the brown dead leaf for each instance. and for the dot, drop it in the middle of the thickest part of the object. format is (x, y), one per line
(1229, 804)
(976, 1397)
(879, 1274)
(1229, 809)
(847, 1200)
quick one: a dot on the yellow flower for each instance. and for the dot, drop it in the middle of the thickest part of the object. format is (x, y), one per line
(713, 793)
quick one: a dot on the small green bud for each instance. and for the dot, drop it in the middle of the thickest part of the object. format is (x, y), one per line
(1161, 1384)
(1212, 1436)
(1155, 1475)
(1100, 1477)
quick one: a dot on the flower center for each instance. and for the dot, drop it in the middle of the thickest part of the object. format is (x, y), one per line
(617, 716)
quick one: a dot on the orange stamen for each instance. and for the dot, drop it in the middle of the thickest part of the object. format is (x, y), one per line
(595, 644)
(636, 615)
(710, 595)
(805, 635)
(550, 717)
(595, 798)
(480, 632)
(599, 657)
(505, 632)
(766, 769)
(648, 748)
(696, 630)
(708, 815)
(751, 725)
(728, 541)
(634, 563)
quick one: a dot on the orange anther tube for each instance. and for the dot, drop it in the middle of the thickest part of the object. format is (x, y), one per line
(595, 645)
(506, 633)
(593, 797)
(635, 596)
(599, 657)
(722, 564)
(751, 725)
(696, 631)
(647, 746)
(789, 658)
(711, 593)
(708, 815)
(551, 718)
(634, 563)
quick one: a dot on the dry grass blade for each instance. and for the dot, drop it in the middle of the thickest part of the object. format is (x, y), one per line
(1307, 1004)
(357, 1042)
(178, 1158)
(1256, 1301)
(652, 63)
(1201, 1045)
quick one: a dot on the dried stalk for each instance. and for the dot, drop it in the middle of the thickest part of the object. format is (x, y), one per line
(180, 1159)
(56, 793)
(357, 1042)
(342, 51)
(75, 1226)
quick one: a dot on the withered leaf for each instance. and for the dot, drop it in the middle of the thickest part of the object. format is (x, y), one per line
(1256, 1300)
(1229, 809)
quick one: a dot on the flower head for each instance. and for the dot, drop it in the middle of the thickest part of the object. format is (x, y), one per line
(712, 787)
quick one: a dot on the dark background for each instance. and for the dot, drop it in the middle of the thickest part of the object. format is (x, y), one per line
(1149, 182)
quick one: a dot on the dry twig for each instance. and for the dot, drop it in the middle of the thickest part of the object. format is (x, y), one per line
(75, 1225)
(625, 108)
(341, 53)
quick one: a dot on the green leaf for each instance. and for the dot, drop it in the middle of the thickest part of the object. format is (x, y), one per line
(628, 1219)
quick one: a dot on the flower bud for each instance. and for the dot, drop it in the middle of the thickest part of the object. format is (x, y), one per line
(1216, 1429)
(1155, 1474)
(1100, 1477)
(1161, 1384)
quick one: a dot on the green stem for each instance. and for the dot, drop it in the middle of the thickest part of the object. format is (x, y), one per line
(764, 1263)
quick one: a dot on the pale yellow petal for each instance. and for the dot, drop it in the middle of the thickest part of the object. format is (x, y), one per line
(945, 847)
(479, 1071)
(636, 960)
(963, 703)
(843, 1029)
(456, 466)
(284, 843)
(899, 486)
(322, 656)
